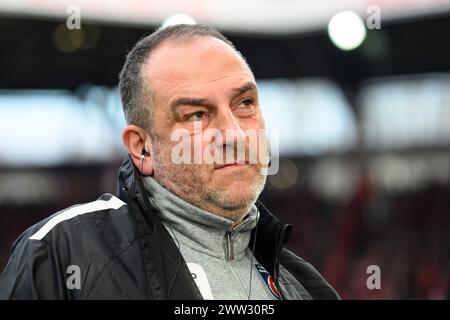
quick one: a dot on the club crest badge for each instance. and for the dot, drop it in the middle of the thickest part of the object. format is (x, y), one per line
(268, 280)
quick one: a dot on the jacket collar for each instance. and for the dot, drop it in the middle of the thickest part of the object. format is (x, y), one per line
(269, 236)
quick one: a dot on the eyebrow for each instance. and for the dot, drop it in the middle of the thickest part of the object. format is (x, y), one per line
(243, 89)
(204, 102)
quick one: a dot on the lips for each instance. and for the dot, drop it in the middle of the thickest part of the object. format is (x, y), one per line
(225, 165)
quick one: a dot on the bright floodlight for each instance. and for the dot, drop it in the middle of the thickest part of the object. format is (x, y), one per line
(179, 18)
(346, 30)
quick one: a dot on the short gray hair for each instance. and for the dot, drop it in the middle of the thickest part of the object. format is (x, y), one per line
(136, 96)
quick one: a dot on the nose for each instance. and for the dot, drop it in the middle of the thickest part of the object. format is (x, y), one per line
(228, 125)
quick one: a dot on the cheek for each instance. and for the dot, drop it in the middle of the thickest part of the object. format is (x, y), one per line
(169, 155)
(256, 122)
(162, 157)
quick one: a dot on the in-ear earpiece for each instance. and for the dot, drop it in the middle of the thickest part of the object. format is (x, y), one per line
(143, 154)
(142, 160)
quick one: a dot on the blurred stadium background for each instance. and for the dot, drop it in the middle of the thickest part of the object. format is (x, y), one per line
(364, 133)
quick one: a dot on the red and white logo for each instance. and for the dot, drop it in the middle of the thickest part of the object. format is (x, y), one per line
(268, 280)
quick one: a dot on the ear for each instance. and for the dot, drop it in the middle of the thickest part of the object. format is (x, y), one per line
(135, 140)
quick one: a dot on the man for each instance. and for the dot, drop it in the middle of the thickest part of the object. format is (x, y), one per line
(175, 230)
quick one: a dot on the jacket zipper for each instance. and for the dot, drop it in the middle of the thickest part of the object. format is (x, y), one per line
(229, 245)
(229, 255)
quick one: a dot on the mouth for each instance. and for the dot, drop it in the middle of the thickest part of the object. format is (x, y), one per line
(230, 165)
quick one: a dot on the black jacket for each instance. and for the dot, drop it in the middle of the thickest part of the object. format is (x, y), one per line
(123, 251)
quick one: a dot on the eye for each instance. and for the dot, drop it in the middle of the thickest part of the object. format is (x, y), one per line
(247, 102)
(197, 116)
(246, 107)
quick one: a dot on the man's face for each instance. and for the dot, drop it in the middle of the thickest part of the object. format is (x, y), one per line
(199, 86)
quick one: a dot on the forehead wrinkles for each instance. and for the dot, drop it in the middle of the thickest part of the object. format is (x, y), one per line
(233, 78)
(179, 84)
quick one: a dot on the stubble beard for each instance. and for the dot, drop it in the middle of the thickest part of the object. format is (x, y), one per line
(190, 183)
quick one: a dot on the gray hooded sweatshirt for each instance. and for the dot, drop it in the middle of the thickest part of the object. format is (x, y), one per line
(217, 255)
